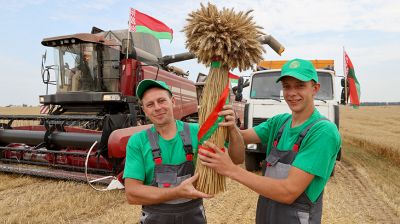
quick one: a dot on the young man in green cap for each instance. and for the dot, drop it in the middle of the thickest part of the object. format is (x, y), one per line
(301, 153)
(160, 161)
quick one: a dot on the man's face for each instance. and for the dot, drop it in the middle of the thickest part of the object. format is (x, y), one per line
(157, 104)
(86, 57)
(299, 95)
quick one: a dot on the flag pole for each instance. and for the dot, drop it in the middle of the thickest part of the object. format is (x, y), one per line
(345, 77)
(129, 28)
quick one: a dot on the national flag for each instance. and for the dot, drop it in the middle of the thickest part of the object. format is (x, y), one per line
(354, 86)
(140, 22)
(233, 79)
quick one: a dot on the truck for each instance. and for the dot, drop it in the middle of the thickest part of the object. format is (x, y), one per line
(266, 100)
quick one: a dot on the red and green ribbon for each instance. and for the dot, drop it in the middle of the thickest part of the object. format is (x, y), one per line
(208, 149)
(216, 62)
(210, 125)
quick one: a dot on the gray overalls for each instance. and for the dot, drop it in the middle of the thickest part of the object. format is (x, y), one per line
(180, 210)
(277, 165)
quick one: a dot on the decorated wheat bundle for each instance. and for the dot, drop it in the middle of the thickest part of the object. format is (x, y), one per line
(223, 40)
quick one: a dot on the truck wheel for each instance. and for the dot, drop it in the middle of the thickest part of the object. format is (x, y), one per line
(251, 161)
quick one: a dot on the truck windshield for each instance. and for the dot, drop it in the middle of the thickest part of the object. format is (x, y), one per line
(264, 86)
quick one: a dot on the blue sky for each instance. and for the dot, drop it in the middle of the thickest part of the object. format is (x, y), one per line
(369, 30)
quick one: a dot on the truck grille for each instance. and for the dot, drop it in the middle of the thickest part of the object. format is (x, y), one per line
(257, 121)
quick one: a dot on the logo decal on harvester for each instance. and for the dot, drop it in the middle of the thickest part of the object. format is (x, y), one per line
(294, 64)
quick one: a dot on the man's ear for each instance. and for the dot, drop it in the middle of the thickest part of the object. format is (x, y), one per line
(316, 88)
(173, 100)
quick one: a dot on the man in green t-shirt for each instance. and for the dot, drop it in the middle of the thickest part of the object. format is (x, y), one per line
(301, 153)
(160, 161)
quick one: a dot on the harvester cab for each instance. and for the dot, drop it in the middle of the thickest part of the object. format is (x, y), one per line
(87, 70)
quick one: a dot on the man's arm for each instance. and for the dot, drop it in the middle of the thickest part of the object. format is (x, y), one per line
(139, 194)
(237, 138)
(250, 136)
(236, 143)
(281, 190)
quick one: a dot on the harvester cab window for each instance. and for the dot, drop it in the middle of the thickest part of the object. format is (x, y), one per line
(111, 69)
(77, 68)
(66, 60)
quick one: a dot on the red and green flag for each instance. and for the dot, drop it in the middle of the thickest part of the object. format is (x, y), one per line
(354, 86)
(233, 79)
(140, 22)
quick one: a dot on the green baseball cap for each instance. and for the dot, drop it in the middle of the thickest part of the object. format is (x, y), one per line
(300, 69)
(149, 83)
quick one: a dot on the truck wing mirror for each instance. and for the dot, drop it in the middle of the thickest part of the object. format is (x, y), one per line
(343, 98)
(342, 82)
(201, 77)
(239, 90)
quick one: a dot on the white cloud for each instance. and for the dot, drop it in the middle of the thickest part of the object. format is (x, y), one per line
(16, 6)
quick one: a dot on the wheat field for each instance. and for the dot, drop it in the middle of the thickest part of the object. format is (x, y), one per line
(373, 128)
(364, 189)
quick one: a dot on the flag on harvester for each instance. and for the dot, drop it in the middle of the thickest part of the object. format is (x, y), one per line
(140, 22)
(354, 86)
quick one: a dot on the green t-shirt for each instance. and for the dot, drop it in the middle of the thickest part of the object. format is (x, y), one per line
(318, 150)
(139, 162)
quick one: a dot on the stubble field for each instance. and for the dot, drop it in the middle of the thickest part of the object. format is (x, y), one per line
(364, 189)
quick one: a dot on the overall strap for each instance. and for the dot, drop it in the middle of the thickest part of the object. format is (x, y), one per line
(187, 141)
(155, 148)
(303, 134)
(279, 135)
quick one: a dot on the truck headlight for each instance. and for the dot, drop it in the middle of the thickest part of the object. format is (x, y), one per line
(252, 146)
(41, 99)
(111, 97)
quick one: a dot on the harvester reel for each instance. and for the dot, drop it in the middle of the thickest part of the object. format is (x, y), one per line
(114, 183)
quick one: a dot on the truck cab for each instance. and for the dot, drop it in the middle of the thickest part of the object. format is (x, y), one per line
(266, 100)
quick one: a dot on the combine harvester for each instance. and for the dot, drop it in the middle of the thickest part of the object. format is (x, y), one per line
(94, 110)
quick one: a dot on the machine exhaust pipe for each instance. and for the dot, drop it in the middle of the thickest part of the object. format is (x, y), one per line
(265, 39)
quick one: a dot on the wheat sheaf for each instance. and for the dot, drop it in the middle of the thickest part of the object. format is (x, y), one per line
(229, 38)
